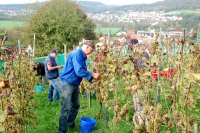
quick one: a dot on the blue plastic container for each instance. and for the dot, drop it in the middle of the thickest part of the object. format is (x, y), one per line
(1, 66)
(87, 124)
(38, 88)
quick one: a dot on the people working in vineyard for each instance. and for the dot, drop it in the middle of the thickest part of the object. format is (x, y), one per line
(40, 71)
(142, 55)
(51, 71)
(71, 76)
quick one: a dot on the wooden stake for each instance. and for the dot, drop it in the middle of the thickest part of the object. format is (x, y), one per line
(195, 128)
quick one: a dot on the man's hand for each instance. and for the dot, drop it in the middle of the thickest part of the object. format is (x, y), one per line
(95, 75)
(60, 67)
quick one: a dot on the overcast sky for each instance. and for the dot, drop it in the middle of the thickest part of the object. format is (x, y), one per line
(108, 2)
(19, 1)
(124, 2)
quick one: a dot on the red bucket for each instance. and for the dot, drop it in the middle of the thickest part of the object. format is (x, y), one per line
(168, 73)
(154, 72)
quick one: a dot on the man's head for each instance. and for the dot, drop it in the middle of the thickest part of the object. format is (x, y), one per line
(88, 47)
(54, 53)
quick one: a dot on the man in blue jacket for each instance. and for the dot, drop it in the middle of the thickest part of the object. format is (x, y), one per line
(74, 70)
(51, 72)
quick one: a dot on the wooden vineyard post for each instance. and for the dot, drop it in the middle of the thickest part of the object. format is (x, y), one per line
(184, 35)
(195, 128)
(19, 46)
(65, 52)
(89, 96)
(158, 69)
(33, 44)
(2, 107)
(89, 100)
(106, 113)
(109, 35)
(138, 105)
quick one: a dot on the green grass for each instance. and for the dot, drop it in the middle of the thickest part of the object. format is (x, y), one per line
(190, 11)
(8, 24)
(47, 116)
(106, 30)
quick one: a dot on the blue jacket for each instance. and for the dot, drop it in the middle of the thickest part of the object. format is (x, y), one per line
(75, 68)
(53, 74)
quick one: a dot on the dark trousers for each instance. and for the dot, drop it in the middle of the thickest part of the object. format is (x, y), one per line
(70, 106)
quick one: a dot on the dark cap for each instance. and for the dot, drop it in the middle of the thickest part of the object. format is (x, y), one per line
(54, 51)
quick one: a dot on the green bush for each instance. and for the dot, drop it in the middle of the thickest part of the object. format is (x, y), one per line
(56, 23)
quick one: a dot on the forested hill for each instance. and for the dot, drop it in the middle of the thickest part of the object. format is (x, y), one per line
(170, 5)
(89, 6)
(86, 5)
(166, 5)
(17, 6)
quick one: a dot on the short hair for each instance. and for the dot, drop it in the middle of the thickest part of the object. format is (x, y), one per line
(90, 43)
(54, 51)
(134, 41)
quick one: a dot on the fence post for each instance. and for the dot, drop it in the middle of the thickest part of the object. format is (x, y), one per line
(33, 44)
(106, 112)
(158, 69)
(195, 128)
(19, 46)
(109, 35)
(65, 52)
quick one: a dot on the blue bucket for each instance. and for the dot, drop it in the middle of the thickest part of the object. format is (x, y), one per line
(87, 124)
(38, 88)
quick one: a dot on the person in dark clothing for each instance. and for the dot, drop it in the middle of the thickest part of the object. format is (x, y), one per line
(39, 68)
(51, 72)
(134, 41)
(40, 71)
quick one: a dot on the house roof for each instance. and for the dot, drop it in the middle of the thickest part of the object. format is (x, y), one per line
(131, 31)
(134, 36)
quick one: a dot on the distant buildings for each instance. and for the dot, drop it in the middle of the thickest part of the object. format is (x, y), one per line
(132, 16)
(142, 35)
(12, 13)
(154, 17)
